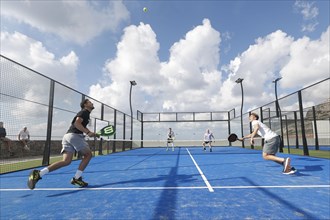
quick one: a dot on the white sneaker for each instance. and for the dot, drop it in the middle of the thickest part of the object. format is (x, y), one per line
(291, 171)
(286, 164)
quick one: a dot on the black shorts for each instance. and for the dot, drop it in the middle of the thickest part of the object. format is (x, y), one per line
(169, 140)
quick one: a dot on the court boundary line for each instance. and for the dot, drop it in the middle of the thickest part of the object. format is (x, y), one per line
(201, 173)
(164, 188)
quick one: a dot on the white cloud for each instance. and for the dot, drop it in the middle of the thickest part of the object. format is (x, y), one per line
(74, 21)
(136, 59)
(186, 82)
(33, 87)
(300, 63)
(309, 62)
(258, 66)
(309, 12)
(34, 55)
(307, 9)
(190, 79)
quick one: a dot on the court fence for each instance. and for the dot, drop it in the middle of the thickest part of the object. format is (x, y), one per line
(46, 107)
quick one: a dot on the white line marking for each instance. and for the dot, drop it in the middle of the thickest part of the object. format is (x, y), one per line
(260, 187)
(109, 188)
(166, 188)
(201, 173)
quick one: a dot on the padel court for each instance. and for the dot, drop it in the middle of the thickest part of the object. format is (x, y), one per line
(188, 183)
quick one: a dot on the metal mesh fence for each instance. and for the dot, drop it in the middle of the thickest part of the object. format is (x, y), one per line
(46, 108)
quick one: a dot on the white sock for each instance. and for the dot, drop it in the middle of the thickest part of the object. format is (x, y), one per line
(78, 174)
(43, 171)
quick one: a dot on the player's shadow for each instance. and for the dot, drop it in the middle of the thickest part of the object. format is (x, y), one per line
(170, 180)
(69, 192)
(311, 168)
(308, 159)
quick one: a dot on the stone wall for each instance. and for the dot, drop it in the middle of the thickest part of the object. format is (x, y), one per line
(36, 149)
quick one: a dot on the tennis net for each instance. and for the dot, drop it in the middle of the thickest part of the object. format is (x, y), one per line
(163, 143)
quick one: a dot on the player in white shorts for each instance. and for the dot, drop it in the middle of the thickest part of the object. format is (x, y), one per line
(272, 143)
(24, 137)
(208, 139)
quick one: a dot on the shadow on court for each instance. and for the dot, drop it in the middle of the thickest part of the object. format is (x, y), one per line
(279, 199)
(152, 184)
(168, 198)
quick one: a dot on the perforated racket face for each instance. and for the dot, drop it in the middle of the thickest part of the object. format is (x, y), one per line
(107, 131)
(232, 138)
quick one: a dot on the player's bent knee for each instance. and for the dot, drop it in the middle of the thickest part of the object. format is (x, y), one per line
(66, 162)
(87, 154)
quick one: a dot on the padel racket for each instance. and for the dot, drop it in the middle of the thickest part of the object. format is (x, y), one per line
(106, 131)
(232, 137)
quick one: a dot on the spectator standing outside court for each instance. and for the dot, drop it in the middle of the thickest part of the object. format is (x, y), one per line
(73, 140)
(272, 143)
(4, 139)
(208, 136)
(170, 139)
(24, 137)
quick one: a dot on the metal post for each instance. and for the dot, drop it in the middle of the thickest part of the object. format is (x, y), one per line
(303, 133)
(279, 113)
(114, 147)
(287, 133)
(46, 155)
(250, 125)
(239, 80)
(296, 128)
(133, 83)
(141, 130)
(317, 147)
(262, 120)
(229, 129)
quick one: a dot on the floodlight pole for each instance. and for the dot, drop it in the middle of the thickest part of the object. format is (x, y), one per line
(133, 83)
(239, 80)
(279, 113)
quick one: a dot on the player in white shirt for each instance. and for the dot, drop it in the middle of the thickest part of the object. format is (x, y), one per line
(170, 139)
(272, 143)
(208, 139)
(24, 137)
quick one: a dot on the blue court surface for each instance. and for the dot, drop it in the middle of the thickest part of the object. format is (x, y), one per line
(151, 183)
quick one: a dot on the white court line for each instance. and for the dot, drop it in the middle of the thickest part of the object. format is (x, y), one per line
(260, 187)
(201, 173)
(166, 188)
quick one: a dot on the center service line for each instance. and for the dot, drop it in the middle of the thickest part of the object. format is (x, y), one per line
(201, 173)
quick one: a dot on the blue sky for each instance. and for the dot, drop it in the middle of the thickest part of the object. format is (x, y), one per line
(184, 55)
